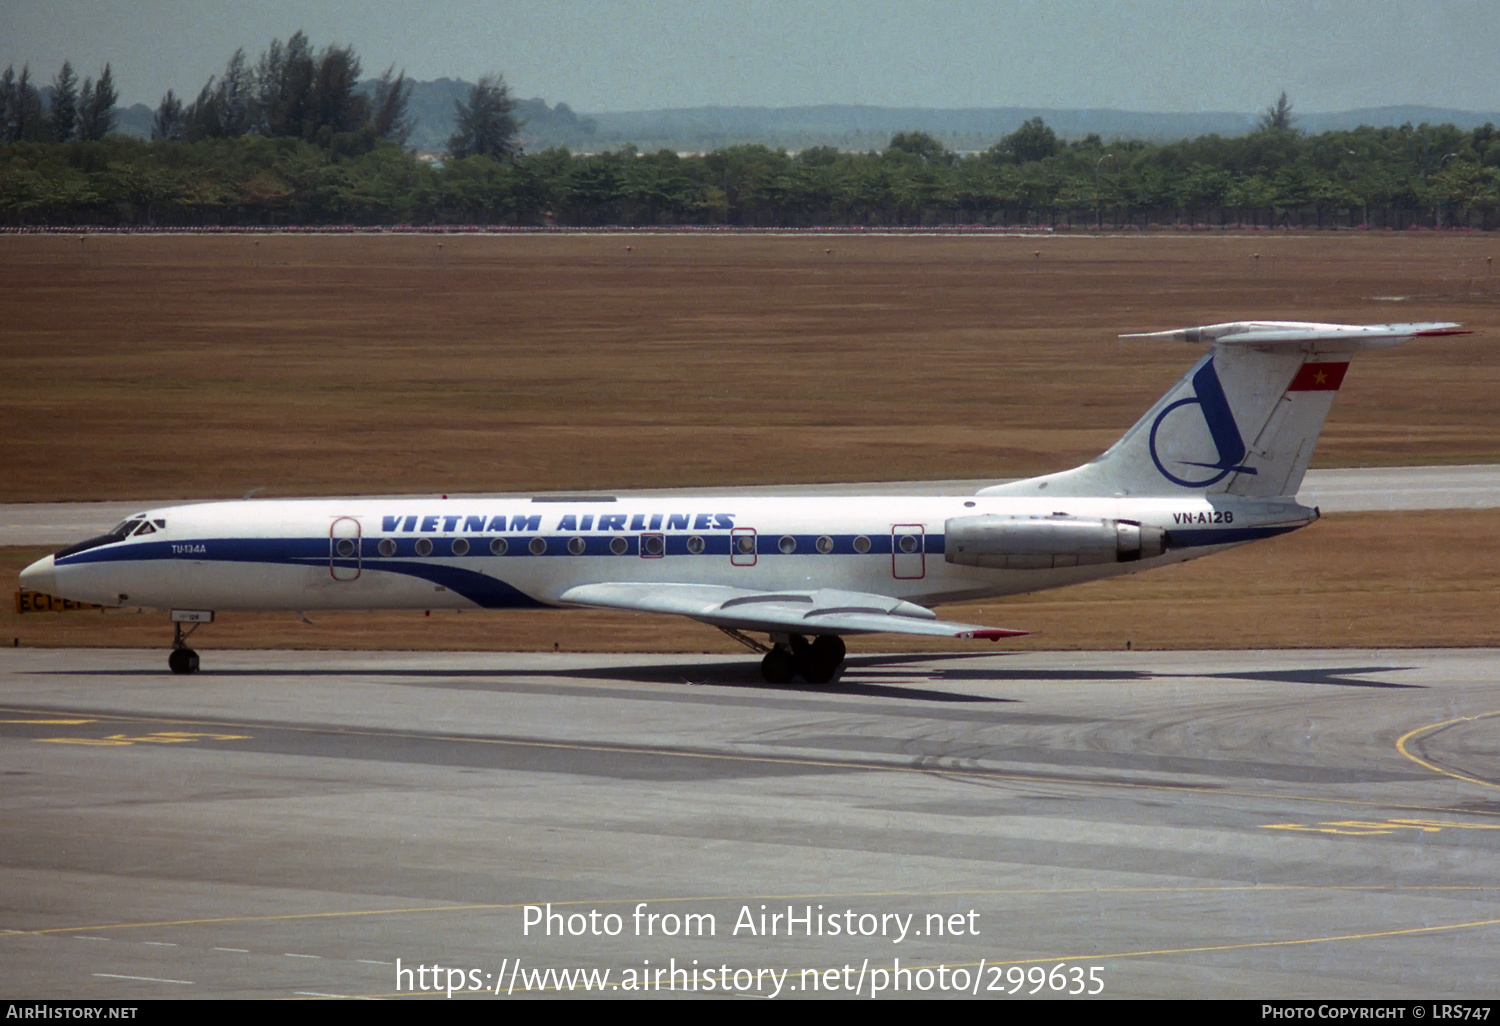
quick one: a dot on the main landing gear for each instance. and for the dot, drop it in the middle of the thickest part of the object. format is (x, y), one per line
(792, 655)
(816, 662)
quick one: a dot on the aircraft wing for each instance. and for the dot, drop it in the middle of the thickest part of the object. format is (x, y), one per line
(823, 611)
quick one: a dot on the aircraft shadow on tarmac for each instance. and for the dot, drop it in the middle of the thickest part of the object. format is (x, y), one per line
(865, 675)
(704, 676)
(1338, 676)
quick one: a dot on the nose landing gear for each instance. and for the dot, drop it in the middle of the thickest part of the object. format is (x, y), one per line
(183, 659)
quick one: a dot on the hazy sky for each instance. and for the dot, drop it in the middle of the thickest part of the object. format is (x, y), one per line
(597, 55)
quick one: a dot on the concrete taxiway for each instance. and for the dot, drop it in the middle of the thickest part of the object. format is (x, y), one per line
(1246, 824)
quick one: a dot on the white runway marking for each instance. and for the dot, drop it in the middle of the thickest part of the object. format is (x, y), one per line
(147, 979)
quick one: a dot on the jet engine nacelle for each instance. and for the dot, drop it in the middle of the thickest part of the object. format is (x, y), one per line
(1041, 543)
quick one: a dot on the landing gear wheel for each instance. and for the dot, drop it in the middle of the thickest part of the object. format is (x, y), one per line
(183, 660)
(820, 662)
(778, 667)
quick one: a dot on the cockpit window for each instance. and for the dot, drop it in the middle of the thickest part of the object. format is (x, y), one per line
(146, 528)
(124, 529)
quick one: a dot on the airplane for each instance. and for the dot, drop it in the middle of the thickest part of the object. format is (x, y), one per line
(1216, 463)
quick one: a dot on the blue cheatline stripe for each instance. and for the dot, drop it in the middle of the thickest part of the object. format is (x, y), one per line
(1180, 539)
(482, 589)
(491, 593)
(284, 550)
(676, 544)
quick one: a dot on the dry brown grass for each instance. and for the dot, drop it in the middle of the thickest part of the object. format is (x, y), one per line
(160, 367)
(1355, 580)
(167, 367)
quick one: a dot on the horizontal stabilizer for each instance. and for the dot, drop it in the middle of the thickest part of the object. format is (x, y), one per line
(824, 611)
(1321, 337)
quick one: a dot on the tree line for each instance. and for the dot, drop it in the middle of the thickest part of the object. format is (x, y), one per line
(291, 91)
(70, 112)
(295, 137)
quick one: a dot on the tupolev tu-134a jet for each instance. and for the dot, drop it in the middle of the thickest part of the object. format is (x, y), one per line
(1215, 463)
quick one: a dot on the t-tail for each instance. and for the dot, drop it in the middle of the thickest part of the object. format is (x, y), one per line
(1242, 422)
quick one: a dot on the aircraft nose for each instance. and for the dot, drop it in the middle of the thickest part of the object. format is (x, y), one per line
(40, 576)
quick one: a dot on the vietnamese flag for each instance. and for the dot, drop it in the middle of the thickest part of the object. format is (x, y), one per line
(1318, 377)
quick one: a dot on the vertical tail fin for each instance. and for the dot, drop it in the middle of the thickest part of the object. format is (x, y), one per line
(1243, 421)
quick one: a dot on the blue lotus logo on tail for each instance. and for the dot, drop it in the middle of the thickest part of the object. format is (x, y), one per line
(1209, 397)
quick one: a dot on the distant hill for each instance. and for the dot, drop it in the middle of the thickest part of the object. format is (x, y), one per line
(845, 127)
(134, 120)
(698, 129)
(431, 106)
(857, 128)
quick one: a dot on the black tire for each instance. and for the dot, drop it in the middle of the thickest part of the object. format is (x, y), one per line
(821, 662)
(183, 660)
(778, 667)
(829, 647)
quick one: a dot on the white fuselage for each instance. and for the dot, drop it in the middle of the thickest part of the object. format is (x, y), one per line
(363, 553)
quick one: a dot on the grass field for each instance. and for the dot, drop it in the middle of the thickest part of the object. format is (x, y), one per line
(171, 367)
(164, 367)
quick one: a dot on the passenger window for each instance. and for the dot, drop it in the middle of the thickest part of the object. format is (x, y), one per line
(695, 545)
(460, 546)
(861, 545)
(498, 547)
(387, 547)
(787, 544)
(619, 546)
(537, 546)
(424, 546)
(825, 544)
(576, 546)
